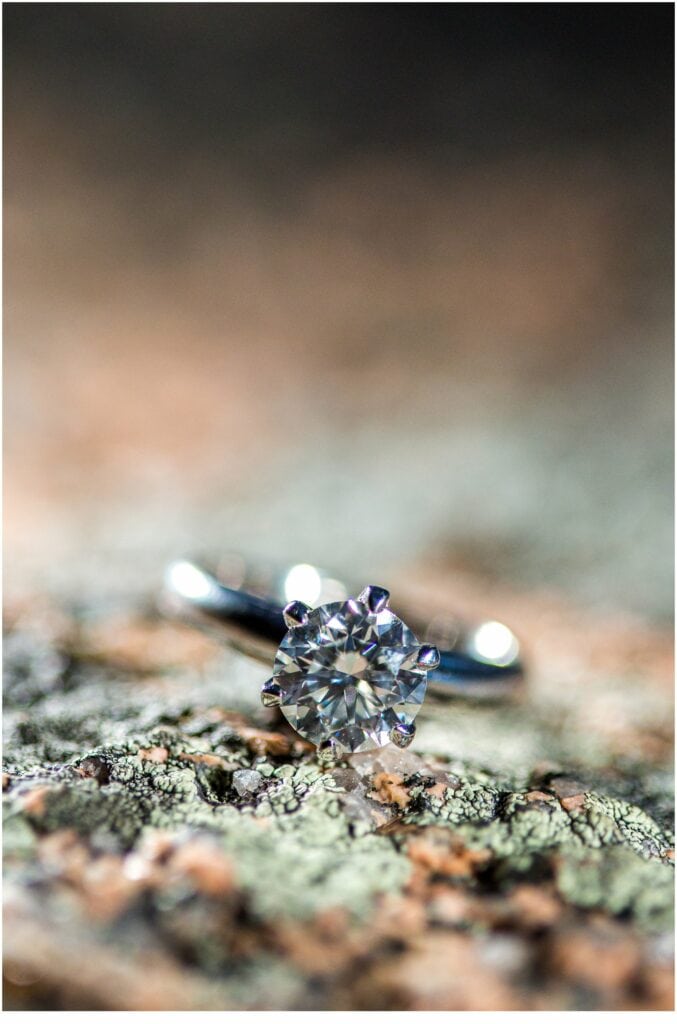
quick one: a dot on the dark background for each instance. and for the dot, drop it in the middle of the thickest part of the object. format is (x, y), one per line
(283, 89)
(377, 285)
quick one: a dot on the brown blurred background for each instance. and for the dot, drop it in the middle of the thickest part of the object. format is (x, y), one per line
(381, 286)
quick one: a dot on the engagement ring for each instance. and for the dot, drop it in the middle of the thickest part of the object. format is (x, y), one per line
(347, 673)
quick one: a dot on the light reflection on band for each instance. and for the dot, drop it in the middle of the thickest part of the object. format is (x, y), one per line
(493, 642)
(304, 582)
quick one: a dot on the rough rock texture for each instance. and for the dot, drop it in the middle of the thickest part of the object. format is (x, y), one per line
(169, 844)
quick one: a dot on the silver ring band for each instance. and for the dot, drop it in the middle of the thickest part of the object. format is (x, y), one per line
(246, 604)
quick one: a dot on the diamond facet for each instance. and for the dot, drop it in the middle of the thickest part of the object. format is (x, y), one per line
(349, 675)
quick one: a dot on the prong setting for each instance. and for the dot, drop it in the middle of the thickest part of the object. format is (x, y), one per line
(375, 598)
(271, 695)
(349, 675)
(428, 657)
(402, 734)
(295, 614)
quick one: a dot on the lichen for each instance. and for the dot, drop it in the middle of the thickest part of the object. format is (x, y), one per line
(93, 753)
(620, 883)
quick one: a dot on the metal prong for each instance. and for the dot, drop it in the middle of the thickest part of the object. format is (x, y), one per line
(327, 752)
(295, 614)
(402, 734)
(271, 694)
(428, 657)
(375, 598)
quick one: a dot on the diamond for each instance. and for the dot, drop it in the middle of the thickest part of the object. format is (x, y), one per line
(349, 676)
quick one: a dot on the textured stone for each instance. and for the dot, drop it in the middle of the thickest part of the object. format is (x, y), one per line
(198, 857)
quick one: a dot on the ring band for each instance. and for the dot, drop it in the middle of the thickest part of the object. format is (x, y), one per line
(481, 661)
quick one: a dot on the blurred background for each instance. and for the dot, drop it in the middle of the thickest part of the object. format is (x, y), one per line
(387, 287)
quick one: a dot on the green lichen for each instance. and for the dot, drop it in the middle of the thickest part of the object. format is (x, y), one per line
(299, 844)
(518, 830)
(18, 837)
(307, 860)
(620, 883)
(293, 851)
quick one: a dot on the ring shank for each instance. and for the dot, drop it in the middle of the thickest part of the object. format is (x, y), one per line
(481, 662)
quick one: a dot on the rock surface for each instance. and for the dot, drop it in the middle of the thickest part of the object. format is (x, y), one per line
(169, 844)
